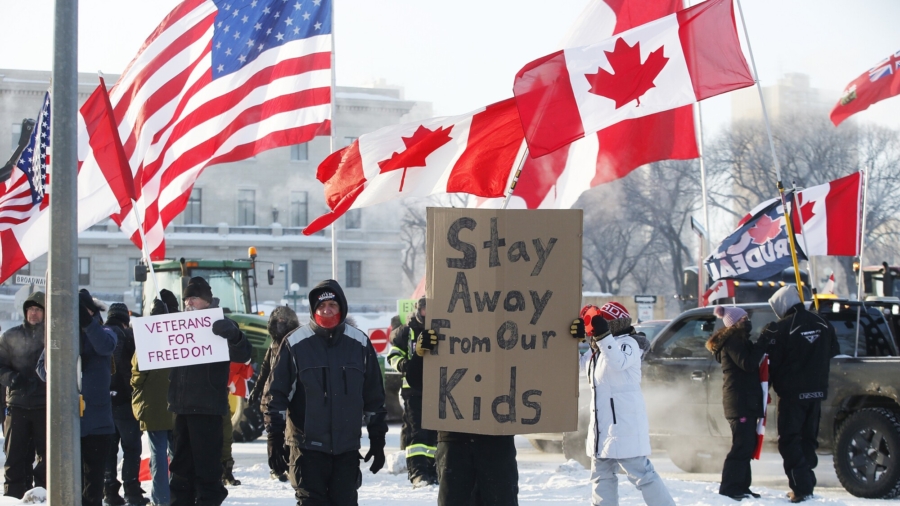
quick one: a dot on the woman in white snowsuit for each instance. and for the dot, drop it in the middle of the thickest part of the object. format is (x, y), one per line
(618, 434)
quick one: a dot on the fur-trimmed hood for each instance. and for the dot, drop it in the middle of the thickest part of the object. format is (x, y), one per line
(717, 340)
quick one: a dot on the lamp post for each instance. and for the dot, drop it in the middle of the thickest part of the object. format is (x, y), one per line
(294, 295)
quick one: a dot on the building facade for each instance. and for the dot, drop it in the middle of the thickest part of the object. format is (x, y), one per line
(263, 202)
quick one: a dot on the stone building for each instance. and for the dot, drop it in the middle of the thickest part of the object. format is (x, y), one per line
(263, 202)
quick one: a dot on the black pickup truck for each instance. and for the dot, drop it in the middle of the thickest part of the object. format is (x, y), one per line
(860, 423)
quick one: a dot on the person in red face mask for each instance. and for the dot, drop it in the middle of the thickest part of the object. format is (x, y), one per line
(325, 380)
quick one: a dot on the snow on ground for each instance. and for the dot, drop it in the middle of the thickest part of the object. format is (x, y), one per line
(544, 479)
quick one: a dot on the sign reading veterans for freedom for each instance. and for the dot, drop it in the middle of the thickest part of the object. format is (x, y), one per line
(173, 340)
(503, 287)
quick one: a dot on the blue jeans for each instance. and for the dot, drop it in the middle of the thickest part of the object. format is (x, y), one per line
(159, 465)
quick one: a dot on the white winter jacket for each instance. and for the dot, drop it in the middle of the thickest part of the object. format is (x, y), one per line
(618, 427)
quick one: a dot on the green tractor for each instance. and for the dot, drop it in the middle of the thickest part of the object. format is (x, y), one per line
(230, 281)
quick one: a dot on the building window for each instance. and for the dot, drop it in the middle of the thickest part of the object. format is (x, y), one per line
(300, 152)
(353, 219)
(349, 140)
(16, 133)
(132, 263)
(193, 212)
(84, 271)
(354, 273)
(246, 208)
(300, 272)
(299, 208)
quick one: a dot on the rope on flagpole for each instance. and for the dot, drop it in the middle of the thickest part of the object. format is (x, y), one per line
(812, 280)
(765, 114)
(334, 257)
(512, 185)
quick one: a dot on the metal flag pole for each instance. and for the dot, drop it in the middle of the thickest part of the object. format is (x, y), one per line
(812, 279)
(334, 257)
(144, 250)
(860, 283)
(705, 195)
(512, 185)
(63, 414)
(765, 114)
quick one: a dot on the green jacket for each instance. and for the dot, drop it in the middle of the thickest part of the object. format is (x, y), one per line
(148, 400)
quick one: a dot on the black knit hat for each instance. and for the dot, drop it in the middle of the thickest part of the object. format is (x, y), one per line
(198, 287)
(118, 312)
(86, 300)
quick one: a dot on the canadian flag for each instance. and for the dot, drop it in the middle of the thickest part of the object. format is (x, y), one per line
(721, 289)
(829, 285)
(473, 153)
(761, 423)
(831, 215)
(664, 64)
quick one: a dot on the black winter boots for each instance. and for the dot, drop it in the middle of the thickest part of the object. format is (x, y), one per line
(227, 474)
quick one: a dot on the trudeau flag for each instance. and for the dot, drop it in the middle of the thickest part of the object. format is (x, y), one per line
(673, 61)
(832, 216)
(472, 153)
(878, 83)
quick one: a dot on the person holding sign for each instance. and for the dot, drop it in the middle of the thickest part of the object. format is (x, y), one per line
(198, 395)
(325, 380)
(406, 356)
(619, 434)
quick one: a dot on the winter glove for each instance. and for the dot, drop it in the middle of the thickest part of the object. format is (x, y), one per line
(84, 317)
(601, 327)
(577, 329)
(159, 307)
(278, 454)
(426, 342)
(227, 329)
(376, 449)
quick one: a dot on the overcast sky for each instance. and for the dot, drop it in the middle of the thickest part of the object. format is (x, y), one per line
(464, 54)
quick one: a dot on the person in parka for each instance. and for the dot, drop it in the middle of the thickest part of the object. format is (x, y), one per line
(800, 346)
(742, 396)
(406, 357)
(25, 430)
(618, 433)
(326, 379)
(282, 321)
(198, 395)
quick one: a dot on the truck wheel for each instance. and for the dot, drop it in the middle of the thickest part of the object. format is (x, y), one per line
(573, 447)
(247, 419)
(867, 454)
(691, 460)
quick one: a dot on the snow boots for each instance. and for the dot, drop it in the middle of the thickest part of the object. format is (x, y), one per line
(134, 494)
(111, 495)
(227, 474)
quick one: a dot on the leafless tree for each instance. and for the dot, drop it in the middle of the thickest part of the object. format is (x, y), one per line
(413, 232)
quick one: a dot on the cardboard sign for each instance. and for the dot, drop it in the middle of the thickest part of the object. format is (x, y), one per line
(173, 340)
(503, 287)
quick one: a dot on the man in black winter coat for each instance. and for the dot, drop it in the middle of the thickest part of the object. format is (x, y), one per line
(741, 396)
(128, 429)
(406, 356)
(26, 400)
(800, 346)
(326, 379)
(198, 395)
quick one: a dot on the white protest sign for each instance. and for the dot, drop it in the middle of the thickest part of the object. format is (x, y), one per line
(178, 339)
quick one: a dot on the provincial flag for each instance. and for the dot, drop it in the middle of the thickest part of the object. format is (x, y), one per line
(878, 83)
(662, 65)
(472, 153)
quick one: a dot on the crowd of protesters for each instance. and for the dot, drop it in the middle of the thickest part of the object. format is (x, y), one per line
(319, 380)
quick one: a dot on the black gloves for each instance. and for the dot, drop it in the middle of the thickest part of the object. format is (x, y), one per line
(159, 307)
(577, 329)
(376, 449)
(426, 342)
(84, 317)
(227, 329)
(278, 453)
(600, 326)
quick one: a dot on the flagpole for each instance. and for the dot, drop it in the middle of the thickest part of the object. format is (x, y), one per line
(140, 227)
(812, 280)
(334, 258)
(860, 283)
(512, 185)
(705, 195)
(765, 114)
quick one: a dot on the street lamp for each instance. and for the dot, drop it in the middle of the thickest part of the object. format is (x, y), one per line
(294, 295)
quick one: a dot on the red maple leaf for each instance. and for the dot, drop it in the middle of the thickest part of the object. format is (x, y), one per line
(765, 229)
(806, 212)
(422, 143)
(632, 78)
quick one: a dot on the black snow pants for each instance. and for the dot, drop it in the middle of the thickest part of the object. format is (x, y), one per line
(798, 428)
(93, 465)
(197, 461)
(26, 435)
(422, 443)
(736, 476)
(323, 479)
(468, 461)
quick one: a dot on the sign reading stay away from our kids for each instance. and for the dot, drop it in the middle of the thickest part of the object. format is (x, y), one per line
(503, 287)
(177, 339)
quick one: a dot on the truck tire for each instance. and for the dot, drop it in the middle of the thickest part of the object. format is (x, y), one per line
(867, 454)
(690, 460)
(247, 419)
(573, 447)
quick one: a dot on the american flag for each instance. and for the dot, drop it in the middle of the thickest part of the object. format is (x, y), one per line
(219, 81)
